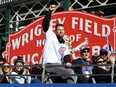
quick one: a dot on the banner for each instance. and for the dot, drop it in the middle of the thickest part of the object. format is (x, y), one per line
(29, 42)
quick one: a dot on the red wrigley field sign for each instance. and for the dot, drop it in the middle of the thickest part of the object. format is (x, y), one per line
(29, 41)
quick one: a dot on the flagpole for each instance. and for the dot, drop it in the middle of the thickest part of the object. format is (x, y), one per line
(114, 46)
(43, 72)
(112, 65)
(114, 53)
(115, 42)
(107, 42)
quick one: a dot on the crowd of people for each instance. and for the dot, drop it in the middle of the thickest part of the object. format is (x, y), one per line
(56, 56)
(18, 73)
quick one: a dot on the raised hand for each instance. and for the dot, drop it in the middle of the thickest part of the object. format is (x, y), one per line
(52, 7)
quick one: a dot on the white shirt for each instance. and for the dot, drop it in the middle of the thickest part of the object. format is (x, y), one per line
(63, 50)
(19, 79)
(50, 50)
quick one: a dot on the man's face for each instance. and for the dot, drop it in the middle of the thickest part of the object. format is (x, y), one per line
(85, 53)
(60, 31)
(100, 62)
(104, 55)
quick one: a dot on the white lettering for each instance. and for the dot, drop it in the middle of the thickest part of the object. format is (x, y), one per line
(78, 36)
(24, 57)
(81, 24)
(87, 26)
(96, 29)
(95, 50)
(33, 58)
(61, 21)
(39, 43)
(28, 58)
(74, 23)
(12, 60)
(53, 22)
(16, 43)
(75, 38)
(25, 39)
(31, 34)
(104, 29)
(38, 30)
(72, 38)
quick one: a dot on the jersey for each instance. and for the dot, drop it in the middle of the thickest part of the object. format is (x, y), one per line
(62, 51)
(50, 50)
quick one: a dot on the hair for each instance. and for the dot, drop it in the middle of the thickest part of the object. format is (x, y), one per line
(69, 43)
(4, 65)
(58, 25)
(19, 59)
(52, 2)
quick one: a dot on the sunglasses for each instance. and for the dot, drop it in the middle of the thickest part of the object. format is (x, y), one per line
(85, 51)
(101, 61)
(6, 66)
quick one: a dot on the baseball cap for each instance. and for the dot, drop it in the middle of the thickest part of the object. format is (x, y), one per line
(84, 48)
(103, 51)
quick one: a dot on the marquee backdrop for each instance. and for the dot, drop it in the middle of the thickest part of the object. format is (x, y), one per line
(29, 41)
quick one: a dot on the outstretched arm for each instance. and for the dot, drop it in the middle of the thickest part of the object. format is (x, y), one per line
(77, 48)
(46, 20)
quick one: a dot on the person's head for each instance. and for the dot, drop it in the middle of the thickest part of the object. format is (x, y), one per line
(100, 61)
(85, 51)
(52, 2)
(104, 54)
(60, 30)
(67, 41)
(19, 62)
(6, 68)
(36, 69)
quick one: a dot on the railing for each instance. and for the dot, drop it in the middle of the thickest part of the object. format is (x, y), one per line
(43, 74)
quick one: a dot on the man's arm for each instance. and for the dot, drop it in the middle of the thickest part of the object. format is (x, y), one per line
(77, 48)
(46, 20)
(67, 61)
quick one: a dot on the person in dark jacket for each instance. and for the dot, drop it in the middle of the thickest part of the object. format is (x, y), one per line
(80, 66)
(101, 71)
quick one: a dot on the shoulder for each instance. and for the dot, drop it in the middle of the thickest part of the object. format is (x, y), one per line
(50, 32)
(77, 60)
